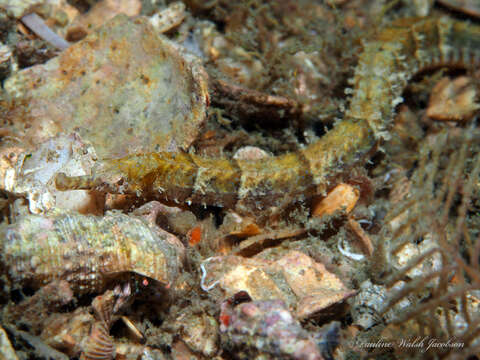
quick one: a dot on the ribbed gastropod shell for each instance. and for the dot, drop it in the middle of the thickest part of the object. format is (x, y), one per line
(88, 251)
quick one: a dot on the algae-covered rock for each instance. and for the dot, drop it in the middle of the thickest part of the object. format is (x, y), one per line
(123, 88)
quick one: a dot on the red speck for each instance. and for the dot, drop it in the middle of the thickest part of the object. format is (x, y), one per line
(225, 319)
(195, 236)
(145, 282)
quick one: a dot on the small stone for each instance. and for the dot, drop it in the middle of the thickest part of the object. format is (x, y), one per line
(200, 333)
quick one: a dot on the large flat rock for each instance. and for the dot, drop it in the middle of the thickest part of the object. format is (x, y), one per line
(124, 88)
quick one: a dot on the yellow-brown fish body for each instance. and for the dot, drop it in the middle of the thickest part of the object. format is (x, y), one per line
(385, 66)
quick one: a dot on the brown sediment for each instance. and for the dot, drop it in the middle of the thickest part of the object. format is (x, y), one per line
(384, 69)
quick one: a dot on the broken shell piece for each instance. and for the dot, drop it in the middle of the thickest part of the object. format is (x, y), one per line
(89, 251)
(69, 333)
(422, 7)
(6, 349)
(410, 251)
(36, 24)
(469, 7)
(7, 61)
(100, 13)
(100, 343)
(10, 156)
(180, 351)
(362, 237)
(241, 226)
(250, 153)
(266, 328)
(31, 172)
(314, 287)
(343, 196)
(169, 18)
(346, 250)
(132, 329)
(453, 100)
(257, 243)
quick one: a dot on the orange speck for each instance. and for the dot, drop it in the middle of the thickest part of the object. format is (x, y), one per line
(350, 22)
(195, 235)
(225, 319)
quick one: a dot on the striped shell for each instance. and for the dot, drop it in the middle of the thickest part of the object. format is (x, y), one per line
(87, 251)
(99, 345)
